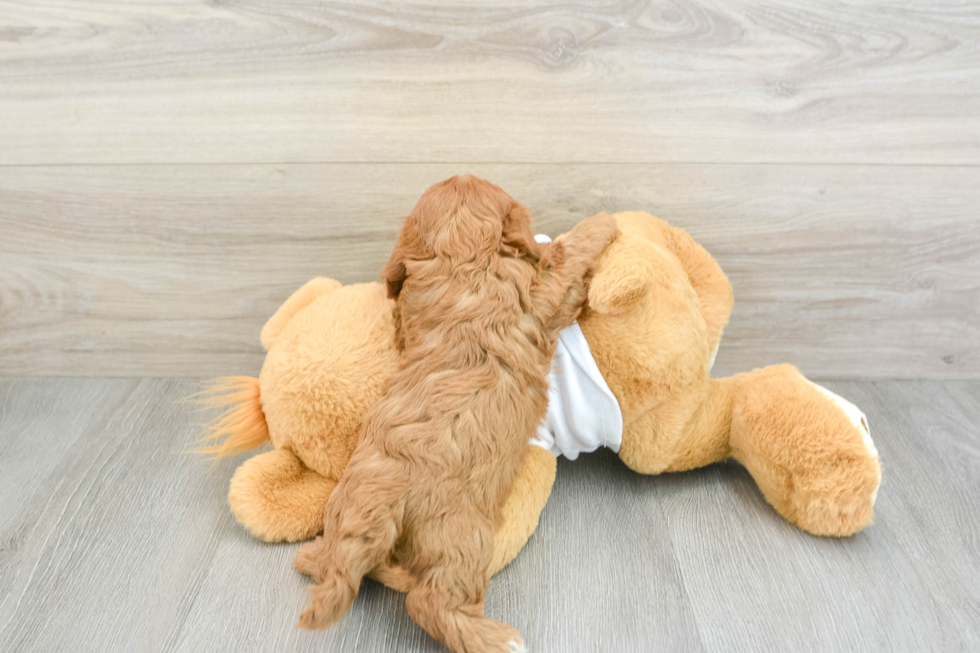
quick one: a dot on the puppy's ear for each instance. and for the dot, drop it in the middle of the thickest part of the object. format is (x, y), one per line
(517, 239)
(408, 247)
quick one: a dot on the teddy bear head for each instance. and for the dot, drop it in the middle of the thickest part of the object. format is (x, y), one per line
(324, 369)
(648, 330)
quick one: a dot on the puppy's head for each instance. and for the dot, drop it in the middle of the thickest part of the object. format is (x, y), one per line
(463, 220)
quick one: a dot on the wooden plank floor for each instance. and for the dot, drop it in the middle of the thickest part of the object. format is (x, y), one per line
(112, 539)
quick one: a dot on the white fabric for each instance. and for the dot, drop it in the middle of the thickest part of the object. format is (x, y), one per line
(583, 413)
(858, 419)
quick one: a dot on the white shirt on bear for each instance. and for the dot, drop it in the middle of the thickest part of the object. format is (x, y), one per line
(583, 413)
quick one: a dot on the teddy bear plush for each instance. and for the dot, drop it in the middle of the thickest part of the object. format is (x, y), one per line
(633, 375)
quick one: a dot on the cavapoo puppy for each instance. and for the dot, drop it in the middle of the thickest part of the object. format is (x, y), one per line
(479, 308)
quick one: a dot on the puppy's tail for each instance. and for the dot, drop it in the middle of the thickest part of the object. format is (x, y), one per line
(242, 424)
(341, 564)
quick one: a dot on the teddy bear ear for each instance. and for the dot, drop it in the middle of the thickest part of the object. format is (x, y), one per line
(624, 275)
(299, 300)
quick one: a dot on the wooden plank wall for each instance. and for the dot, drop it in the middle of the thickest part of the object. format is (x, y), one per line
(171, 171)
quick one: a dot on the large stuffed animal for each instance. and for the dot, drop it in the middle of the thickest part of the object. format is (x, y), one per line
(633, 375)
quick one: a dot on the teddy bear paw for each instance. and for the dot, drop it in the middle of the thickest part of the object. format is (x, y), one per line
(842, 502)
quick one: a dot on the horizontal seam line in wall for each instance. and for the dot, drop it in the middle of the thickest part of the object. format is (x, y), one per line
(511, 163)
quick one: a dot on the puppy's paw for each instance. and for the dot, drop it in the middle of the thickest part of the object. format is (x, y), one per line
(310, 619)
(307, 559)
(495, 637)
(601, 228)
(590, 237)
(329, 602)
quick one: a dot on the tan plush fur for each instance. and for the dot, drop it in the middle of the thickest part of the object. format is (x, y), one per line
(657, 306)
(479, 308)
(290, 498)
(654, 346)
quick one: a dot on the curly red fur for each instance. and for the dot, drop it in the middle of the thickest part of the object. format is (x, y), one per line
(479, 308)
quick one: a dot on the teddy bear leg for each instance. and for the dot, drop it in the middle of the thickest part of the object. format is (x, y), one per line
(809, 450)
(705, 436)
(278, 498)
(686, 431)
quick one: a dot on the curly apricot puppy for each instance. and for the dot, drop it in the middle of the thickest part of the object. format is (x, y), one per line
(479, 308)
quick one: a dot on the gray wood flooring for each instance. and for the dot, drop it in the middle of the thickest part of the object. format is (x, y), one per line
(112, 539)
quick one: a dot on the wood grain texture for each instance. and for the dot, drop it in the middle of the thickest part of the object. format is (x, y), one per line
(96, 81)
(907, 583)
(855, 271)
(112, 539)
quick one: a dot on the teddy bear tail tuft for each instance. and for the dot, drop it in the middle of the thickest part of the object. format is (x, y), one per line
(241, 426)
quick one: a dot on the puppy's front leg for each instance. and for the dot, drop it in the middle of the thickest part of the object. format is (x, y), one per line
(568, 267)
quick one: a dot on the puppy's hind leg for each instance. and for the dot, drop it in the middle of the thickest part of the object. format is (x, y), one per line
(456, 618)
(308, 556)
(355, 541)
(447, 599)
